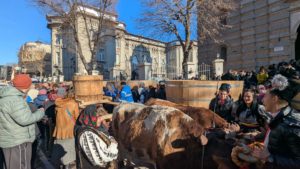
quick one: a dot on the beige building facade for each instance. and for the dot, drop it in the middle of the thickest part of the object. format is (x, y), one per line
(120, 54)
(35, 58)
(263, 32)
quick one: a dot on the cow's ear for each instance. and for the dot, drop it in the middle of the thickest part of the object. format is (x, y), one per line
(203, 140)
(195, 130)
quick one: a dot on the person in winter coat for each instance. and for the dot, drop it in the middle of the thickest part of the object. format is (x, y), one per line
(41, 98)
(288, 71)
(43, 101)
(261, 93)
(50, 103)
(36, 143)
(282, 140)
(272, 71)
(125, 94)
(250, 80)
(152, 92)
(250, 115)
(89, 118)
(135, 94)
(52, 94)
(222, 104)
(111, 91)
(262, 76)
(32, 94)
(67, 112)
(17, 123)
(161, 91)
(228, 75)
(143, 92)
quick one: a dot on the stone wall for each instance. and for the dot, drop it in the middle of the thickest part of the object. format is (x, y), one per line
(260, 35)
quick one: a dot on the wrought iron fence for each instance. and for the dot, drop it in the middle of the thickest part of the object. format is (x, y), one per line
(204, 71)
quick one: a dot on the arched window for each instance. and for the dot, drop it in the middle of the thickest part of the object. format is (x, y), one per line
(223, 20)
(223, 52)
(100, 55)
(134, 63)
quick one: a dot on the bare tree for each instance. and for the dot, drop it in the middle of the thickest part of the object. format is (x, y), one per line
(178, 18)
(211, 18)
(72, 12)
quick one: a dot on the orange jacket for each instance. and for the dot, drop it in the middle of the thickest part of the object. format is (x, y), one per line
(64, 128)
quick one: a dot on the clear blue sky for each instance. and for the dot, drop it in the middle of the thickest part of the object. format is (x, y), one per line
(21, 22)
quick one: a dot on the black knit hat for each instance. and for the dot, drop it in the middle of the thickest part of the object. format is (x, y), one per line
(225, 87)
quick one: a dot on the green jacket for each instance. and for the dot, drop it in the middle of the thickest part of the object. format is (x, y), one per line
(16, 119)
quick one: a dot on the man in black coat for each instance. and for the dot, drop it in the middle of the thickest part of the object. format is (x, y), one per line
(222, 103)
(161, 91)
(228, 76)
(282, 141)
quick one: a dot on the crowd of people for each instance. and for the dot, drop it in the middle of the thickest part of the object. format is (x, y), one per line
(36, 117)
(268, 111)
(138, 94)
(45, 117)
(289, 69)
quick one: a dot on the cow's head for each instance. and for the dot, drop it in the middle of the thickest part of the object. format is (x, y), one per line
(197, 132)
(194, 137)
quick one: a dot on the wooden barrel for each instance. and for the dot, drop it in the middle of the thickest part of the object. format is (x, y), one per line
(88, 88)
(199, 93)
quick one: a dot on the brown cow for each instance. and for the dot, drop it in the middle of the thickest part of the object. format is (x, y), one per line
(217, 151)
(203, 116)
(162, 136)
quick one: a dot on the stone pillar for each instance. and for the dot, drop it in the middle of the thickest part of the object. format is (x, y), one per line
(53, 49)
(114, 73)
(54, 79)
(144, 71)
(49, 79)
(190, 69)
(218, 65)
(61, 78)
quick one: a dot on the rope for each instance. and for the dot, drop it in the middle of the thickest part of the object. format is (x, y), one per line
(216, 102)
(203, 149)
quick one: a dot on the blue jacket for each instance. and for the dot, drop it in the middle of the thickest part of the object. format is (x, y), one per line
(40, 100)
(126, 94)
(110, 93)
